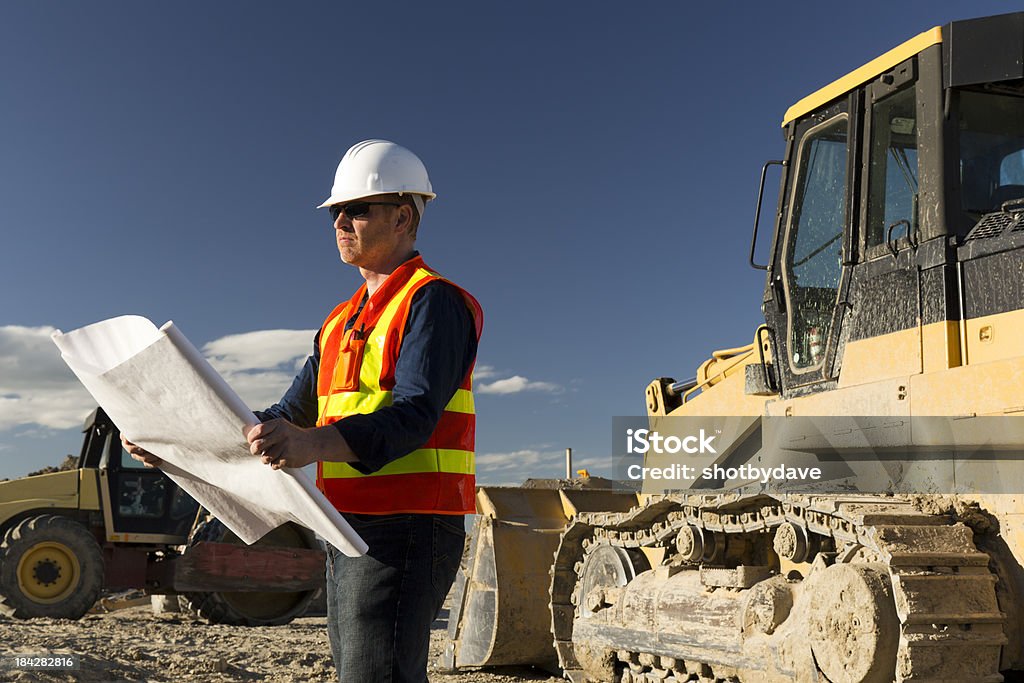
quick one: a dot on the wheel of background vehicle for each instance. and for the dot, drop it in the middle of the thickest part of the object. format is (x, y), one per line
(249, 608)
(50, 566)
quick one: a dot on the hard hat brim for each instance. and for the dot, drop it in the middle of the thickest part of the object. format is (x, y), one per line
(338, 199)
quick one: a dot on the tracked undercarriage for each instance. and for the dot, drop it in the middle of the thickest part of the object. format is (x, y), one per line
(774, 589)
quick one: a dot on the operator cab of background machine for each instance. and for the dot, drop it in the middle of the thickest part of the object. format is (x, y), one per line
(139, 501)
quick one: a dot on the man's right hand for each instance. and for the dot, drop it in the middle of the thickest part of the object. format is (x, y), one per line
(140, 454)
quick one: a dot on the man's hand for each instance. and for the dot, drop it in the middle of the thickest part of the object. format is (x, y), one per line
(279, 444)
(140, 454)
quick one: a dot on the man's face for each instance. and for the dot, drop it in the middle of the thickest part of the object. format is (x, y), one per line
(369, 240)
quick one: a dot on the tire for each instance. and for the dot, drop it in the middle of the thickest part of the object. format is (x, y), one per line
(50, 566)
(249, 608)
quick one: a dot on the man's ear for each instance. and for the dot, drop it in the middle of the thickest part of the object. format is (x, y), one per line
(403, 217)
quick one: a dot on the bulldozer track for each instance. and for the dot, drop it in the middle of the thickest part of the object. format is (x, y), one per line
(950, 625)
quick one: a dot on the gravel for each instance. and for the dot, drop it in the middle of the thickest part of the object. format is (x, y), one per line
(135, 644)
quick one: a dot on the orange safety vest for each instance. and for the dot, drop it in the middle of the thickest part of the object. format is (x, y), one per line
(357, 374)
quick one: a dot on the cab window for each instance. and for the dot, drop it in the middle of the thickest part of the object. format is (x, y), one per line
(893, 170)
(130, 463)
(813, 249)
(1011, 169)
(991, 151)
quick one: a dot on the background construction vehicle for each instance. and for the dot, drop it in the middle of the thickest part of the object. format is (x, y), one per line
(895, 288)
(114, 524)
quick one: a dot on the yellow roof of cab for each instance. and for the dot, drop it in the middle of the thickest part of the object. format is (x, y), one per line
(876, 66)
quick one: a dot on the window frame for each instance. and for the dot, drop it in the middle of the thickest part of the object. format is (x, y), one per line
(791, 230)
(874, 251)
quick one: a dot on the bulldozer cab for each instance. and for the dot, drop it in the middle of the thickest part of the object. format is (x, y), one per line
(140, 504)
(887, 173)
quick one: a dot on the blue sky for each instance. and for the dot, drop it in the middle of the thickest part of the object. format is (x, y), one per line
(596, 166)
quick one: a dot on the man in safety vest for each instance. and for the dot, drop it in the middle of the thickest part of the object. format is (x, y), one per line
(384, 407)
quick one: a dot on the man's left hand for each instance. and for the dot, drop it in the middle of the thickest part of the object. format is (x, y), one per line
(279, 444)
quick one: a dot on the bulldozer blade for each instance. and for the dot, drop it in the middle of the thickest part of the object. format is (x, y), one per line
(500, 614)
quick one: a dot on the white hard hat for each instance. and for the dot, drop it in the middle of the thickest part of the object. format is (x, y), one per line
(373, 167)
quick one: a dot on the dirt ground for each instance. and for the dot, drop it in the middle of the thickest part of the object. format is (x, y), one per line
(136, 645)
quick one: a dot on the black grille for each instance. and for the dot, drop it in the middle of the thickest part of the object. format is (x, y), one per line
(993, 224)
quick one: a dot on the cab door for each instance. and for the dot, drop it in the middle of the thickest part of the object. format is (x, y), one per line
(809, 275)
(145, 505)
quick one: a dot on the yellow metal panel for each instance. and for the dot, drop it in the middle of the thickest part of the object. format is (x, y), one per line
(655, 556)
(940, 345)
(994, 337)
(727, 397)
(897, 354)
(978, 389)
(575, 501)
(88, 490)
(108, 518)
(724, 362)
(42, 492)
(54, 485)
(874, 68)
(537, 508)
(878, 399)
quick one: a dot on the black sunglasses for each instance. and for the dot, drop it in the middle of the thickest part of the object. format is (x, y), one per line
(356, 209)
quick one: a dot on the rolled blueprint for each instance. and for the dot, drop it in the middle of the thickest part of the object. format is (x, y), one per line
(161, 393)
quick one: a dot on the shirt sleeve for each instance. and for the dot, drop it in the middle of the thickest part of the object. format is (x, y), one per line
(437, 351)
(299, 404)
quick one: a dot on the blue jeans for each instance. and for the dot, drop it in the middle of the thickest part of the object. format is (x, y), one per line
(380, 606)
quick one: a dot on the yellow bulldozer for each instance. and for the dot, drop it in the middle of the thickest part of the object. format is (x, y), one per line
(112, 524)
(893, 325)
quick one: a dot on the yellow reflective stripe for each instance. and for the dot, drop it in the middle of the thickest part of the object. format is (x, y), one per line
(384, 322)
(352, 403)
(424, 460)
(329, 327)
(373, 351)
(462, 402)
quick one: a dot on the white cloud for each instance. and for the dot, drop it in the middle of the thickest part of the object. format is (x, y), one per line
(515, 467)
(484, 372)
(37, 388)
(260, 349)
(260, 365)
(503, 461)
(515, 385)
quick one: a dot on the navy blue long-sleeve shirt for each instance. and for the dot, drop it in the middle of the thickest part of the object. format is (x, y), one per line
(437, 351)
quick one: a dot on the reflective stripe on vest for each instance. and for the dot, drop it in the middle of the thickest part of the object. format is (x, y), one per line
(439, 476)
